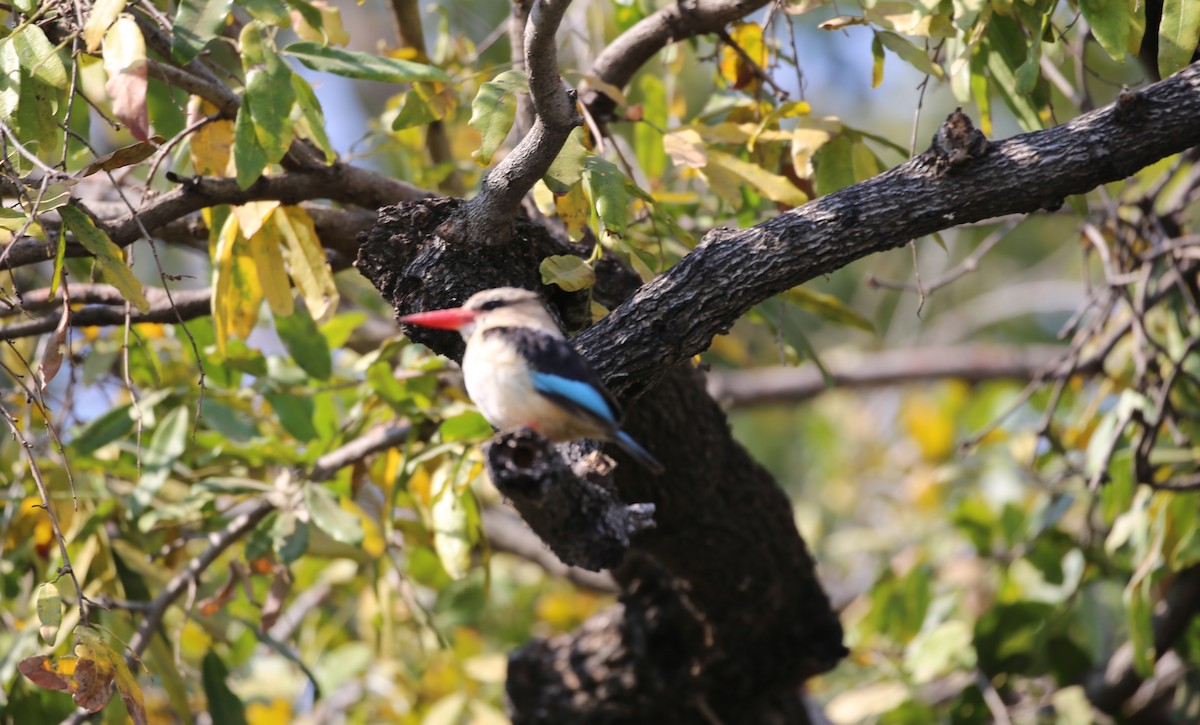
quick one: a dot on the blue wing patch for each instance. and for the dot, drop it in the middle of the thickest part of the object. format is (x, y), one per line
(576, 392)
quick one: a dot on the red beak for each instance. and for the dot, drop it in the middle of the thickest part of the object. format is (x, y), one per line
(452, 319)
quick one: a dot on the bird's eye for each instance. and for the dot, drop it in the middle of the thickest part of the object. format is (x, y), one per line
(491, 305)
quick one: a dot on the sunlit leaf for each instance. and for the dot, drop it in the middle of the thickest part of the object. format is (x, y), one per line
(775, 187)
(236, 292)
(38, 56)
(568, 272)
(210, 145)
(567, 169)
(266, 249)
(877, 61)
(493, 111)
(108, 255)
(739, 70)
(49, 612)
(249, 156)
(342, 525)
(575, 211)
(915, 56)
(312, 118)
(1178, 35)
(605, 186)
(124, 55)
(364, 66)
(306, 261)
(124, 156)
(103, 13)
(166, 446)
(1110, 21)
(196, 23)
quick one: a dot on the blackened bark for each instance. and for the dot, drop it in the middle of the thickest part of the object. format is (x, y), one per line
(721, 611)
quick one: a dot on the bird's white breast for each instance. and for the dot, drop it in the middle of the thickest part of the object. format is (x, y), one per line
(498, 381)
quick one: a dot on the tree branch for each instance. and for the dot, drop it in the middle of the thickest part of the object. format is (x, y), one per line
(972, 364)
(488, 217)
(678, 21)
(1109, 689)
(961, 179)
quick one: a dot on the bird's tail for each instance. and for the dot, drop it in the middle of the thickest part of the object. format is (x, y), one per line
(630, 446)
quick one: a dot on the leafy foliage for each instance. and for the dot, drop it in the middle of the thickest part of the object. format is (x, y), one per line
(270, 516)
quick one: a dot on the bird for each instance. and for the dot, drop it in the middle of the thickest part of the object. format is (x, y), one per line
(521, 372)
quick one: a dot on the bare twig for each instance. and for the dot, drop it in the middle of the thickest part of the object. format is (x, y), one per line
(974, 364)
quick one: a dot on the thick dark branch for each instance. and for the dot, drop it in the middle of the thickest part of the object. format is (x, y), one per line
(973, 364)
(617, 63)
(576, 509)
(489, 216)
(506, 532)
(961, 180)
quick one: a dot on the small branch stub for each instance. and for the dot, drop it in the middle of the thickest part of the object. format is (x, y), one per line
(957, 141)
(575, 510)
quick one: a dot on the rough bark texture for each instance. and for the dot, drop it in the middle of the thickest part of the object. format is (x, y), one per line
(677, 314)
(720, 608)
(721, 615)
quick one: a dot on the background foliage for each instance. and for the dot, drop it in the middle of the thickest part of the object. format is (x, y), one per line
(992, 546)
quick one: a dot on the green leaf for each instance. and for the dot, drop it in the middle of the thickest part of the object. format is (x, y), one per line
(223, 705)
(340, 524)
(1008, 52)
(1110, 21)
(235, 426)
(493, 111)
(877, 64)
(112, 426)
(108, 255)
(468, 426)
(828, 307)
(289, 536)
(166, 446)
(196, 23)
(363, 66)
(307, 346)
(1178, 35)
(450, 514)
(49, 612)
(39, 57)
(911, 54)
(313, 117)
(249, 156)
(271, 12)
(271, 96)
(295, 413)
(567, 271)
(10, 81)
(833, 165)
(605, 186)
(567, 168)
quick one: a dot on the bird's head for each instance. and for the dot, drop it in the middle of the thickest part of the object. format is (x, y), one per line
(499, 307)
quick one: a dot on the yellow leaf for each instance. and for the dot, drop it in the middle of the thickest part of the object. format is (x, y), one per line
(104, 12)
(266, 249)
(212, 143)
(931, 426)
(306, 261)
(773, 186)
(805, 143)
(734, 67)
(236, 292)
(110, 665)
(686, 148)
(276, 712)
(252, 215)
(574, 210)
